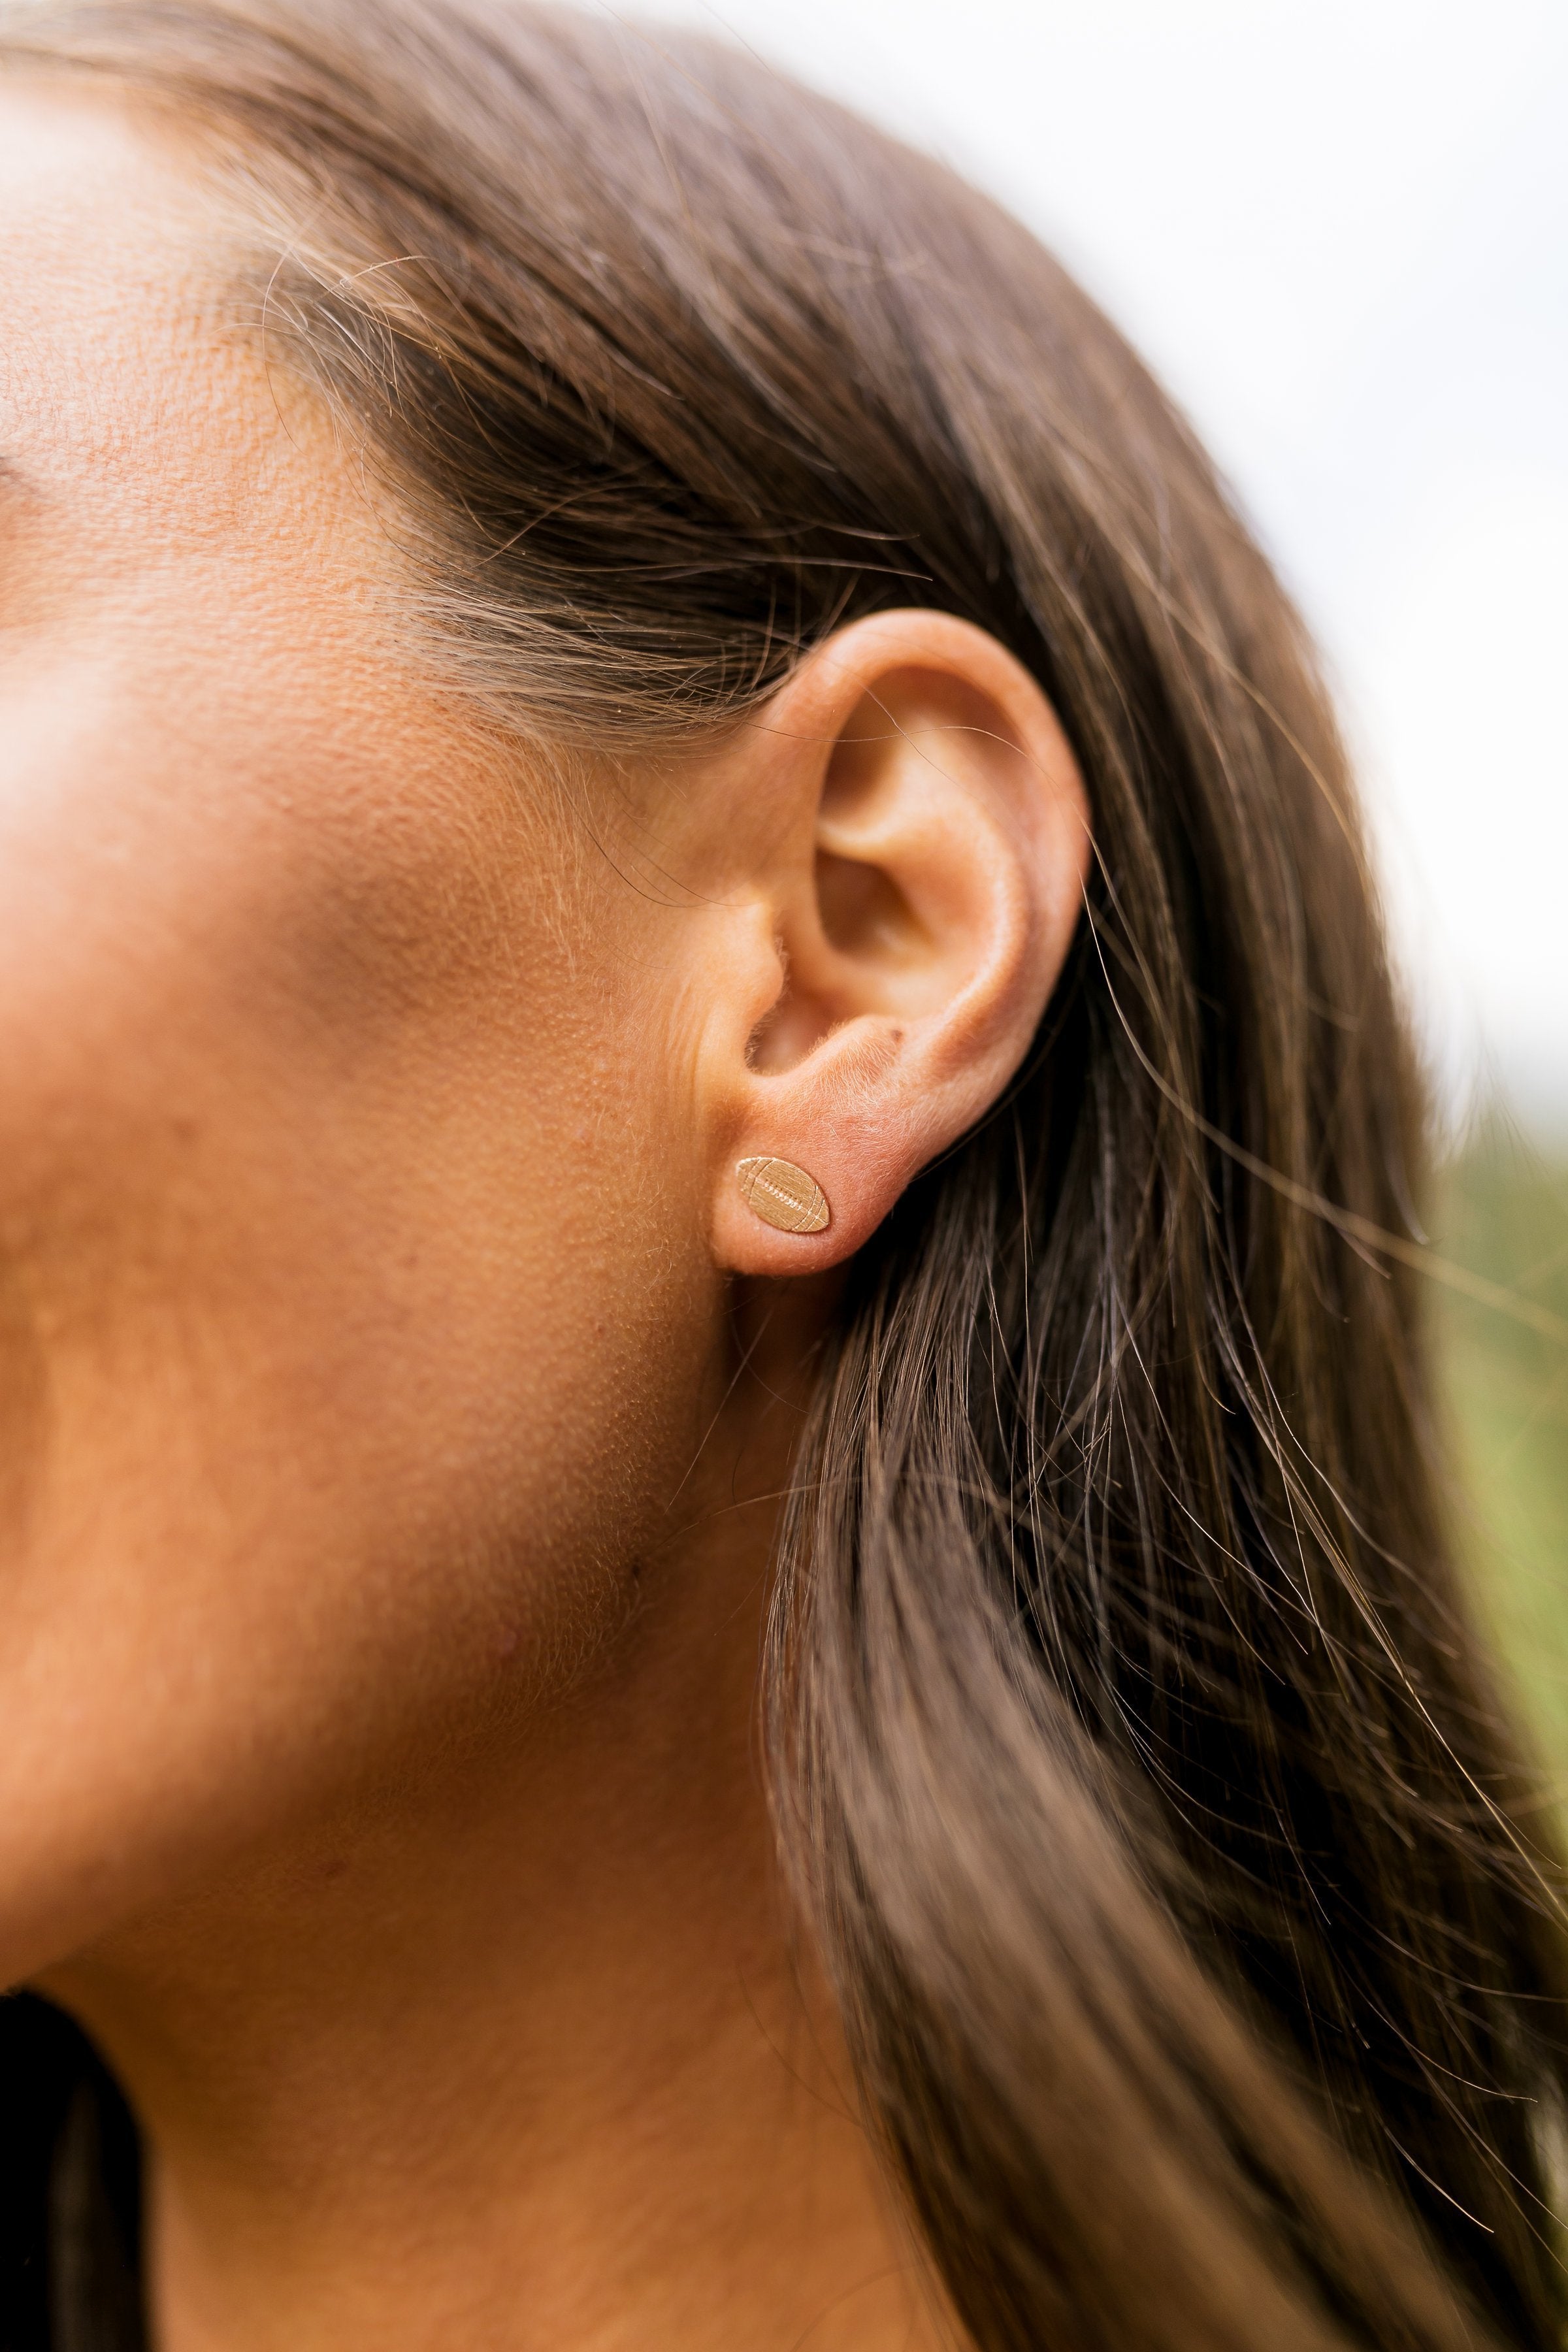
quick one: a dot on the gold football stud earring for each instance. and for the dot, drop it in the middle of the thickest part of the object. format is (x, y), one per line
(784, 1195)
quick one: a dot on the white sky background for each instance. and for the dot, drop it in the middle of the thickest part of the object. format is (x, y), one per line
(1339, 230)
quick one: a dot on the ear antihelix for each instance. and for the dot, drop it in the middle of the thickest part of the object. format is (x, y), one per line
(783, 1195)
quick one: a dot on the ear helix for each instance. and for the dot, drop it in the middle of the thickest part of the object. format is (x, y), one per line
(783, 1195)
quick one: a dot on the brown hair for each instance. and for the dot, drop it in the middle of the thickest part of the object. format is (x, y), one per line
(1133, 1756)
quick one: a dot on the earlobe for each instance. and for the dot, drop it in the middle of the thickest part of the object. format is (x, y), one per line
(923, 876)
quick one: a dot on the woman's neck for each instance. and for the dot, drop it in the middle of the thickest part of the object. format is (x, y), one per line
(525, 2060)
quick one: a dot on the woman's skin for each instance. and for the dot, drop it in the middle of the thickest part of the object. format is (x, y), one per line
(396, 1385)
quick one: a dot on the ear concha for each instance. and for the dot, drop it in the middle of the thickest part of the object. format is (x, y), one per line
(782, 1194)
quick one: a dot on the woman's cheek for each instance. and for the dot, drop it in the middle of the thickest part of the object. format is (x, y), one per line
(334, 1266)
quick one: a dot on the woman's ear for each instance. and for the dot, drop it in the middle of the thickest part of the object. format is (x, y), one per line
(914, 843)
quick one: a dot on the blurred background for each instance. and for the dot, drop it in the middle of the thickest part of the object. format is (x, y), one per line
(1339, 230)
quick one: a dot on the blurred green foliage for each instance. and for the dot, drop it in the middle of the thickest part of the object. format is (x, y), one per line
(1502, 1217)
